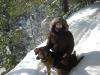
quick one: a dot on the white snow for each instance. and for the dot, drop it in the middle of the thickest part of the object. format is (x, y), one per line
(90, 48)
(86, 31)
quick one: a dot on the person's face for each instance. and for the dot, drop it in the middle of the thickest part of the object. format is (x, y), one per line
(58, 27)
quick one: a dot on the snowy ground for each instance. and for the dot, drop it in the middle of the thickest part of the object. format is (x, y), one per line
(85, 26)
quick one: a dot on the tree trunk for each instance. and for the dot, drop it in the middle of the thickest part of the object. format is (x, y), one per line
(65, 6)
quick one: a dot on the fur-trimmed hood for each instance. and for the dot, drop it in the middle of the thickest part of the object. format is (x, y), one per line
(58, 20)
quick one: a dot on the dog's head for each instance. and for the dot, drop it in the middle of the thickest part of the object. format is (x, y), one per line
(41, 53)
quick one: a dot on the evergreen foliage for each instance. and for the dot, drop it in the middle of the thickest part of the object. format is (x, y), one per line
(12, 45)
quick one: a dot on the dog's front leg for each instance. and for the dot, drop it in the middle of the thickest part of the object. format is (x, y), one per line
(48, 69)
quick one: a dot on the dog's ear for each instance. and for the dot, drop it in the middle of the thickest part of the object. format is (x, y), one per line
(36, 51)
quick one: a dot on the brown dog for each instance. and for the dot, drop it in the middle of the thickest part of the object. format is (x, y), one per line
(47, 60)
(42, 54)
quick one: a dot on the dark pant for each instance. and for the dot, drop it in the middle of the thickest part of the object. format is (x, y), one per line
(57, 59)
